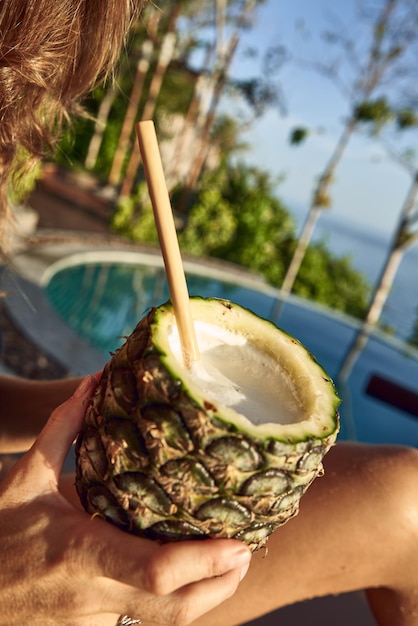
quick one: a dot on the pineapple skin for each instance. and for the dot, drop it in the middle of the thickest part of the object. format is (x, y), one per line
(153, 462)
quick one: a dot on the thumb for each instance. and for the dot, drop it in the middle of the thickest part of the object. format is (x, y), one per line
(51, 447)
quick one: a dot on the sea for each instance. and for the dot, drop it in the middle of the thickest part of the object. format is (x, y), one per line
(368, 252)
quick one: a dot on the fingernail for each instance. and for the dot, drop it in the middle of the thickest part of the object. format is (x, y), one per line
(241, 558)
(83, 387)
(244, 571)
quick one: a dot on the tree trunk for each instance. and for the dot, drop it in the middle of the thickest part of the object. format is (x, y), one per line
(401, 242)
(214, 87)
(189, 123)
(133, 103)
(380, 59)
(301, 248)
(164, 59)
(320, 200)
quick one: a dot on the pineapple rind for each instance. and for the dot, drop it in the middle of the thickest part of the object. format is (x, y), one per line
(296, 361)
(156, 462)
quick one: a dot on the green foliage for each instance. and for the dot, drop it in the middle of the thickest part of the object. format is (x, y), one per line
(211, 224)
(24, 179)
(258, 93)
(237, 217)
(406, 118)
(332, 281)
(298, 135)
(72, 148)
(176, 90)
(376, 112)
(134, 219)
(226, 135)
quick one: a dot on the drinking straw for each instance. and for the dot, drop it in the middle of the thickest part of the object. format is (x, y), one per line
(163, 215)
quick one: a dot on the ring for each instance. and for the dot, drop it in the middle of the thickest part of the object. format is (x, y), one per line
(125, 620)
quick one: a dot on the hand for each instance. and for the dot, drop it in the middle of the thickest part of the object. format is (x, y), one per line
(60, 566)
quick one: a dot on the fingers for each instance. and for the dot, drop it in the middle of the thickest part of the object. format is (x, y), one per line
(144, 563)
(197, 599)
(99, 619)
(45, 459)
(173, 583)
(167, 584)
(199, 560)
(183, 606)
(189, 601)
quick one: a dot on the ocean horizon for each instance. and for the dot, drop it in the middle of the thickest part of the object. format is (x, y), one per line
(367, 251)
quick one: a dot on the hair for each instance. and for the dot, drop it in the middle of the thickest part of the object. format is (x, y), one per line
(52, 52)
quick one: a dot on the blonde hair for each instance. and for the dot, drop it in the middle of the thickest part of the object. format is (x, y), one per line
(52, 52)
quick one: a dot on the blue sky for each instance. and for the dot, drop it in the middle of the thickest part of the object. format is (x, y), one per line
(370, 186)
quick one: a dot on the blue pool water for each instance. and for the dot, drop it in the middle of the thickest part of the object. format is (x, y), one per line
(102, 302)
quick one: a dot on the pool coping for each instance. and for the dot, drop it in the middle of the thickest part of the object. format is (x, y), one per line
(24, 283)
(33, 315)
(25, 279)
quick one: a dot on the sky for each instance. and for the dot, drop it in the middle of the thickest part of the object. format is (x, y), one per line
(370, 185)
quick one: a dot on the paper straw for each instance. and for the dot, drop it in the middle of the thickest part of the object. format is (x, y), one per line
(167, 235)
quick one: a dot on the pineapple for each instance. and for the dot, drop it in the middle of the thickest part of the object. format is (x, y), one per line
(225, 448)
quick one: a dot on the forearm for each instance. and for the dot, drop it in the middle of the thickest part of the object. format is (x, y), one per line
(25, 406)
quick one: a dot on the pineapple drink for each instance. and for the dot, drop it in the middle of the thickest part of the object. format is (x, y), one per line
(181, 445)
(223, 448)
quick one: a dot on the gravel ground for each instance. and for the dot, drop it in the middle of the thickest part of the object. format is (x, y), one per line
(20, 356)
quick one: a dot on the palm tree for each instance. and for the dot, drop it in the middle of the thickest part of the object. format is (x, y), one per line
(403, 239)
(393, 32)
(209, 89)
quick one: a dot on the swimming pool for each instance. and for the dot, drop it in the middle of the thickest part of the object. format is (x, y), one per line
(102, 297)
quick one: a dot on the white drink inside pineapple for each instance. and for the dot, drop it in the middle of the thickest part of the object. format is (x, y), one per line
(225, 448)
(234, 373)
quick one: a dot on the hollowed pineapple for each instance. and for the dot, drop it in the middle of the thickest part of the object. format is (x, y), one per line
(223, 449)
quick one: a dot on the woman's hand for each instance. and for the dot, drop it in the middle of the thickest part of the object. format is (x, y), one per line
(60, 566)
